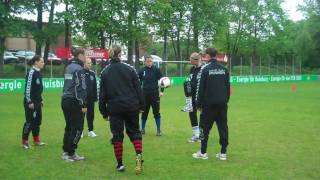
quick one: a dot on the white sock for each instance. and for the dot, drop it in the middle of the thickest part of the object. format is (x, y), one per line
(195, 130)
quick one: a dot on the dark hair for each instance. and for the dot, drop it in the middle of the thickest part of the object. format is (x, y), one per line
(211, 51)
(76, 52)
(35, 59)
(147, 57)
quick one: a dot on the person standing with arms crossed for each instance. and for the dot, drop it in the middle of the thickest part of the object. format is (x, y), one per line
(33, 103)
(91, 82)
(149, 77)
(120, 99)
(213, 95)
(74, 105)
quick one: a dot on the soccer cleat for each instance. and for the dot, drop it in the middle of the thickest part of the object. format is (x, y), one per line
(75, 157)
(143, 132)
(221, 156)
(121, 168)
(92, 134)
(139, 163)
(158, 133)
(194, 139)
(26, 146)
(39, 143)
(199, 155)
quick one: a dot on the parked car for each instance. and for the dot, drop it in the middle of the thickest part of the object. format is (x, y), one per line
(124, 58)
(9, 58)
(24, 55)
(54, 59)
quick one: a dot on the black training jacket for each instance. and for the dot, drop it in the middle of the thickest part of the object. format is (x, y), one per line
(91, 82)
(75, 82)
(149, 77)
(33, 87)
(120, 89)
(214, 85)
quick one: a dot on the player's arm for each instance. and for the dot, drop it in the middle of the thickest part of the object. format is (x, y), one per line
(227, 79)
(159, 74)
(201, 87)
(29, 89)
(95, 86)
(102, 99)
(81, 88)
(137, 87)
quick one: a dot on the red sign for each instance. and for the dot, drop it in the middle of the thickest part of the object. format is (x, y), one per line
(65, 53)
(220, 57)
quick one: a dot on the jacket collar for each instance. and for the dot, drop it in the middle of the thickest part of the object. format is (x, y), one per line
(115, 60)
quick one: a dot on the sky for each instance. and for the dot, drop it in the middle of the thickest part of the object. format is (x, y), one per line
(290, 6)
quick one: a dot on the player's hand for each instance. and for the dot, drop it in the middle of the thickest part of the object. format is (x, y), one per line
(84, 110)
(41, 103)
(106, 118)
(31, 106)
(161, 94)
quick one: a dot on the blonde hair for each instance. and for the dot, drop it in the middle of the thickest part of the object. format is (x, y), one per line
(115, 51)
(195, 56)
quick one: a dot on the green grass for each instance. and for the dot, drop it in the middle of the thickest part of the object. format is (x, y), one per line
(274, 134)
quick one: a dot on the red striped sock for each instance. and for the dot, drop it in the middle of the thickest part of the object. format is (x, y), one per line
(36, 139)
(118, 149)
(137, 145)
(24, 141)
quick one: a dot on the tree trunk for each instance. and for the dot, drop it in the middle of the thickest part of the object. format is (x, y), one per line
(102, 40)
(48, 41)
(137, 55)
(67, 29)
(165, 49)
(39, 26)
(2, 47)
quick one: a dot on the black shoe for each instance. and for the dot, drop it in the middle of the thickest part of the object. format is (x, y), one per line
(159, 133)
(121, 168)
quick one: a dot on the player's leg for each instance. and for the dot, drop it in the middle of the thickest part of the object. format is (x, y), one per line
(90, 119)
(145, 113)
(36, 126)
(65, 106)
(117, 127)
(132, 129)
(155, 104)
(27, 126)
(222, 125)
(206, 123)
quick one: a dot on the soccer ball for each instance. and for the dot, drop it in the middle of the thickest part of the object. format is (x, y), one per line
(164, 82)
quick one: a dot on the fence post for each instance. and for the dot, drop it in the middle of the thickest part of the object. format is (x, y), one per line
(51, 69)
(300, 67)
(292, 65)
(260, 66)
(269, 66)
(285, 67)
(277, 67)
(251, 66)
(241, 66)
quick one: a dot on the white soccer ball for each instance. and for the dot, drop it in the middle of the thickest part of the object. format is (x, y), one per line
(164, 82)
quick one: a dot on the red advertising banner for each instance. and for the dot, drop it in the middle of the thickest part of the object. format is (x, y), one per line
(220, 57)
(65, 53)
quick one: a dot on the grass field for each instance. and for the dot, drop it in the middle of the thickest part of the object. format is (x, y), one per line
(274, 134)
